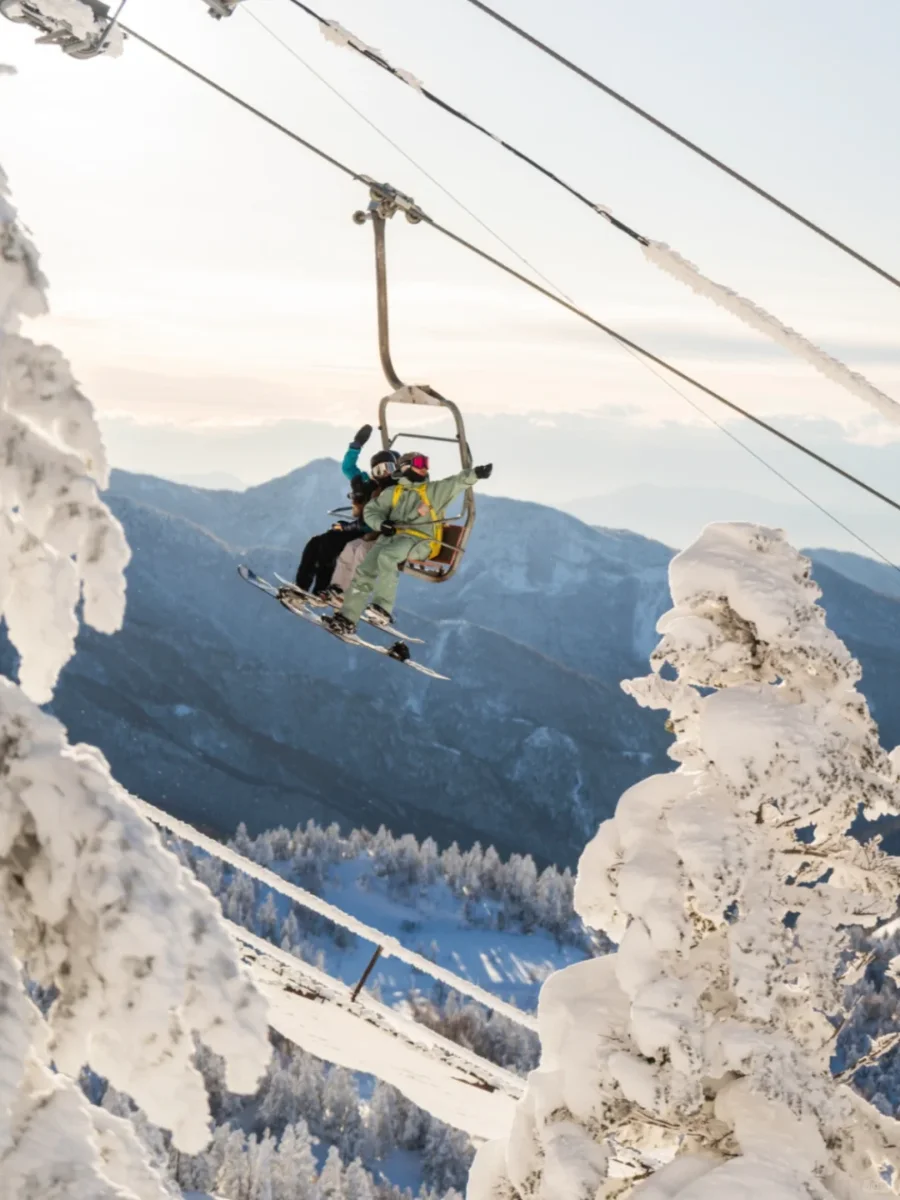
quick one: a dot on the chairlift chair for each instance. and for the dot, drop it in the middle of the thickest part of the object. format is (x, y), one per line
(58, 32)
(221, 8)
(384, 202)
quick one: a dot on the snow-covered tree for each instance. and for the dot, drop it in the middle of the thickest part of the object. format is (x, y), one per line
(281, 844)
(239, 902)
(92, 908)
(382, 1120)
(267, 917)
(262, 1157)
(331, 1181)
(342, 1122)
(358, 1182)
(290, 932)
(233, 1177)
(445, 1157)
(294, 1170)
(693, 1063)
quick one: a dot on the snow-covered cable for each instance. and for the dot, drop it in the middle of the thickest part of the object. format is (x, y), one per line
(235, 99)
(757, 318)
(347, 39)
(657, 253)
(661, 362)
(406, 1053)
(551, 295)
(337, 35)
(667, 129)
(395, 146)
(826, 512)
(391, 947)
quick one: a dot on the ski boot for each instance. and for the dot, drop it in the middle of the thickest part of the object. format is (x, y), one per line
(376, 615)
(400, 651)
(291, 598)
(319, 599)
(333, 595)
(338, 624)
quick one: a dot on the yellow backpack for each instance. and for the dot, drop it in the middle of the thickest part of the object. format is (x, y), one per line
(435, 541)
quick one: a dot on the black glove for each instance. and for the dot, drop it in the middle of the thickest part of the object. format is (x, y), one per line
(388, 529)
(484, 472)
(361, 437)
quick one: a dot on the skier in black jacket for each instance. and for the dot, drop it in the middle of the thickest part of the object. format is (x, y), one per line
(321, 552)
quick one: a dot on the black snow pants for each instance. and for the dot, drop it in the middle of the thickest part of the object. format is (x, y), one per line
(320, 557)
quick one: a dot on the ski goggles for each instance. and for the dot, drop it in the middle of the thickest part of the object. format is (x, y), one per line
(418, 462)
(383, 470)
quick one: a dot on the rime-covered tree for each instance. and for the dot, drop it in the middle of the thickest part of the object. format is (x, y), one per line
(92, 908)
(693, 1063)
(233, 1177)
(262, 1156)
(383, 1120)
(445, 1157)
(240, 900)
(331, 1181)
(267, 917)
(358, 1183)
(341, 1119)
(291, 936)
(294, 1170)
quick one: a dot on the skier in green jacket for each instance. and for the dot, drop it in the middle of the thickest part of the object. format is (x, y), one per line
(409, 518)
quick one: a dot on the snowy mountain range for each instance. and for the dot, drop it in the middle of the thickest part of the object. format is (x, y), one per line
(219, 706)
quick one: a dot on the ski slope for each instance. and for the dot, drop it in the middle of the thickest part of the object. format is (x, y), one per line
(316, 1012)
(390, 946)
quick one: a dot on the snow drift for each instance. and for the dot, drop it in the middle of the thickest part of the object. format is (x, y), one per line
(694, 1062)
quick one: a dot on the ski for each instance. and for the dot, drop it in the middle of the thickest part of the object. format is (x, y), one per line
(399, 652)
(315, 602)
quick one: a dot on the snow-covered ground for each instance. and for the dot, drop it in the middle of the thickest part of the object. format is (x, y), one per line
(311, 1010)
(509, 963)
(517, 967)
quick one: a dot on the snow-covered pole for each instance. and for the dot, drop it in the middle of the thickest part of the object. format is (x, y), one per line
(693, 1063)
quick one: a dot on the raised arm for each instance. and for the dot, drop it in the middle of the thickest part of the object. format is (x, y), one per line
(444, 491)
(350, 464)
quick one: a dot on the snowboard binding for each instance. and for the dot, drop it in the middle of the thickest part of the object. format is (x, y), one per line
(400, 651)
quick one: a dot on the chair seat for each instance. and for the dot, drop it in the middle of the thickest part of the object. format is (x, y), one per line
(447, 556)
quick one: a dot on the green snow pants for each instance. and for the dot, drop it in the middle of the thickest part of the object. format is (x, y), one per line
(378, 574)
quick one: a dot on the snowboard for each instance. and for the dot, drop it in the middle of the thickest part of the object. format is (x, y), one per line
(352, 639)
(314, 601)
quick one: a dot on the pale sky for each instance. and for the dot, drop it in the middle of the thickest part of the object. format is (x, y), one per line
(205, 270)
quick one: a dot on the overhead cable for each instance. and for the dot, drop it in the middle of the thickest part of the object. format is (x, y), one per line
(684, 141)
(394, 145)
(511, 271)
(658, 254)
(637, 357)
(376, 57)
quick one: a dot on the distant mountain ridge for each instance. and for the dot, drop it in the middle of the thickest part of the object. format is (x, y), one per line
(216, 704)
(674, 514)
